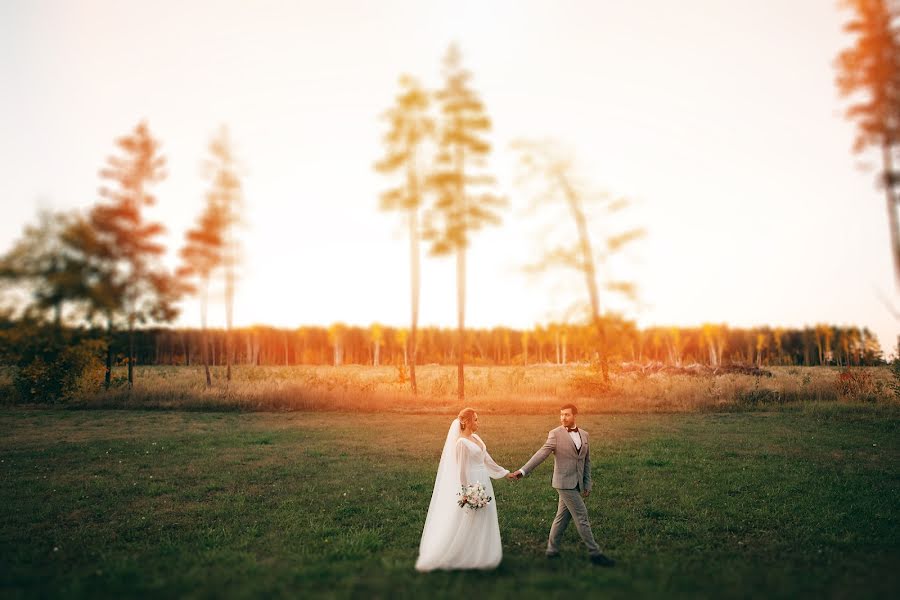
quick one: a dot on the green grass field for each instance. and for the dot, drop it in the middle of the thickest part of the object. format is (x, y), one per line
(798, 502)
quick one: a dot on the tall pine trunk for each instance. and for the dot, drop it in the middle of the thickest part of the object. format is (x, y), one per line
(414, 293)
(461, 321)
(131, 351)
(109, 352)
(204, 304)
(461, 270)
(229, 307)
(891, 207)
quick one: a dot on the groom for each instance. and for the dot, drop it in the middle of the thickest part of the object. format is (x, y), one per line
(571, 475)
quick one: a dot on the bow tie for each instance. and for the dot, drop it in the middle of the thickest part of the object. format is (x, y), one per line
(572, 429)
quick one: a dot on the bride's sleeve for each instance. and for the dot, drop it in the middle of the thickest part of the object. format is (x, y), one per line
(462, 461)
(493, 469)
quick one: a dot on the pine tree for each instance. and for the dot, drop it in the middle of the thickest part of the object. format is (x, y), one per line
(410, 127)
(462, 205)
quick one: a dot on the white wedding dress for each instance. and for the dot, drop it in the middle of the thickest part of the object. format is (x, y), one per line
(457, 537)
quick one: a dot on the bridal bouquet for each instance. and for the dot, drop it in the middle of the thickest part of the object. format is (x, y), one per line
(474, 496)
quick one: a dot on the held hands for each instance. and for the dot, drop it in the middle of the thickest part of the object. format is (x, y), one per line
(515, 475)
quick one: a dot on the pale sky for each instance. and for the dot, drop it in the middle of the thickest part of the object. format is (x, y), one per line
(720, 119)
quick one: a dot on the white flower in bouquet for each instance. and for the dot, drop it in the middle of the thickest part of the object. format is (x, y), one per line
(473, 496)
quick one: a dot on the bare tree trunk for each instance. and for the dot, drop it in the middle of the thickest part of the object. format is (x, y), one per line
(558, 358)
(130, 351)
(229, 305)
(414, 292)
(131, 294)
(461, 319)
(204, 304)
(806, 359)
(109, 352)
(891, 208)
(589, 270)
(819, 346)
(338, 353)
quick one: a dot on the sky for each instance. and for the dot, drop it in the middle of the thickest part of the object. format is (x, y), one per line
(719, 120)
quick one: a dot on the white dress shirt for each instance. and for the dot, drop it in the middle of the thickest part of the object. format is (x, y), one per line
(576, 437)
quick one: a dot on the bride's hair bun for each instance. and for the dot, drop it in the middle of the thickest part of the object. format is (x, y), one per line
(465, 416)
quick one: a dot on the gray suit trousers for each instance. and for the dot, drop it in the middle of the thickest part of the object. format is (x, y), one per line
(571, 504)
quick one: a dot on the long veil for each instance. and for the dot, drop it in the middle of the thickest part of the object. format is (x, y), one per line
(440, 524)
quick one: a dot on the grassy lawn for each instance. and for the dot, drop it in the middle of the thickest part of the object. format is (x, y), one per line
(802, 502)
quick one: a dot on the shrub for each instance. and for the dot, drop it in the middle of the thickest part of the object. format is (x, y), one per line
(50, 365)
(895, 378)
(856, 384)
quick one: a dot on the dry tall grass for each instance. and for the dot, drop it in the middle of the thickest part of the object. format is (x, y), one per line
(525, 390)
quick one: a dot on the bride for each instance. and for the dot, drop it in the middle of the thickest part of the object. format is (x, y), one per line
(457, 537)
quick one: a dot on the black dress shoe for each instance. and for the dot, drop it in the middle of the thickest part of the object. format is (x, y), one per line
(553, 555)
(602, 560)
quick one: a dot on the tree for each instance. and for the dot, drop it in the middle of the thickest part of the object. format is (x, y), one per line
(52, 361)
(202, 254)
(401, 336)
(525, 337)
(47, 265)
(410, 126)
(541, 163)
(714, 338)
(336, 334)
(870, 71)
(461, 206)
(376, 336)
(123, 244)
(674, 346)
(824, 334)
(226, 195)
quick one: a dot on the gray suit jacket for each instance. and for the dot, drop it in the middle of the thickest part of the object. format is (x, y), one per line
(571, 467)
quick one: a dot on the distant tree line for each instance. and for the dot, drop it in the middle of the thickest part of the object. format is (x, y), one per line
(552, 344)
